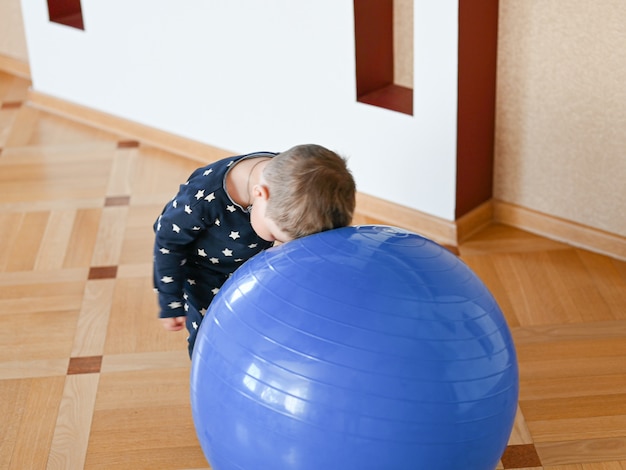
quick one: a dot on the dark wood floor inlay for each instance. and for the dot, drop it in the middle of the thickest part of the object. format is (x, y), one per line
(521, 456)
(103, 272)
(127, 144)
(11, 105)
(84, 365)
(117, 201)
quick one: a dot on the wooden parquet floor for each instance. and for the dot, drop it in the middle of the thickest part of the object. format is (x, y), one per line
(89, 379)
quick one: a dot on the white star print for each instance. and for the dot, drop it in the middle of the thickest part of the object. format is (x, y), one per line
(234, 235)
(214, 260)
(195, 227)
(227, 252)
(195, 325)
(207, 172)
(215, 290)
(202, 311)
(174, 305)
(230, 208)
(187, 209)
(186, 307)
(210, 197)
(164, 251)
(253, 245)
(238, 260)
(176, 228)
(174, 203)
(199, 194)
(167, 279)
(191, 282)
(202, 253)
(217, 222)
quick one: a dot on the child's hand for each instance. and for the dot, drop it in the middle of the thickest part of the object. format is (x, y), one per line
(173, 324)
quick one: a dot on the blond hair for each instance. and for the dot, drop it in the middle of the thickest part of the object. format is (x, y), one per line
(311, 190)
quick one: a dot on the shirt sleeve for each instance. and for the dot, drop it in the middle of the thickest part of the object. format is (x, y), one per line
(178, 226)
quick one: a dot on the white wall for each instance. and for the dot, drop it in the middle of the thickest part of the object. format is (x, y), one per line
(248, 75)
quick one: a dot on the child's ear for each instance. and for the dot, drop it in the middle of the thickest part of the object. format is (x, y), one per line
(261, 190)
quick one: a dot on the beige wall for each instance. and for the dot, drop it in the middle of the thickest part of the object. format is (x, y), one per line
(561, 110)
(403, 42)
(12, 39)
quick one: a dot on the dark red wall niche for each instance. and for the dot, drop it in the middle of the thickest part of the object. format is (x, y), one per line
(67, 12)
(373, 37)
(477, 63)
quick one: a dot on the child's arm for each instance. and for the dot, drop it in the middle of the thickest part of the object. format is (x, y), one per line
(168, 274)
(176, 229)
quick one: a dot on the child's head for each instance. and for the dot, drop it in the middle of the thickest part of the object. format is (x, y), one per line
(310, 190)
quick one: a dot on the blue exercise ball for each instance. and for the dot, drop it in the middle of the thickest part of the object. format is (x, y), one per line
(365, 347)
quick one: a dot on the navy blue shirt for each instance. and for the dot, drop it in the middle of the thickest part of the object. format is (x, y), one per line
(201, 237)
